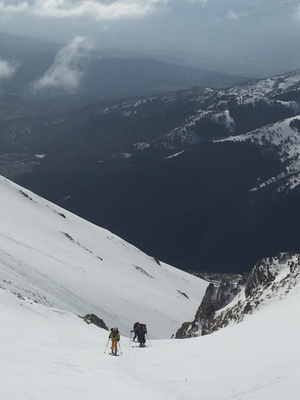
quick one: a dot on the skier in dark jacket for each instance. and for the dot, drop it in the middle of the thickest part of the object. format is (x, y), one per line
(135, 330)
(142, 330)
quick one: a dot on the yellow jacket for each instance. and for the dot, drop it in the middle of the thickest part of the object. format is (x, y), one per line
(114, 335)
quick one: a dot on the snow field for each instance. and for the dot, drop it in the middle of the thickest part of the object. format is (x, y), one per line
(54, 354)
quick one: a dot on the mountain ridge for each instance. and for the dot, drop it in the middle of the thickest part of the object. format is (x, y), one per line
(168, 171)
(57, 259)
(96, 74)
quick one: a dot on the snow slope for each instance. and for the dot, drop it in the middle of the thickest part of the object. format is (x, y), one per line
(48, 352)
(57, 259)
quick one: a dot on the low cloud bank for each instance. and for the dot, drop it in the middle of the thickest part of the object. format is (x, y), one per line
(65, 72)
(90, 8)
(7, 69)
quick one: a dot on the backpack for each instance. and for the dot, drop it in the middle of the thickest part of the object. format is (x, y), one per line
(114, 332)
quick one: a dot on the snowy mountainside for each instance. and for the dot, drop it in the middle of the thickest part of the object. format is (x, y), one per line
(220, 105)
(289, 82)
(150, 170)
(57, 259)
(271, 280)
(50, 351)
(284, 138)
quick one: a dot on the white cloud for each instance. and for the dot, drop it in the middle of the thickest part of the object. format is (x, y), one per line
(235, 16)
(65, 72)
(86, 8)
(12, 8)
(7, 69)
(232, 15)
(99, 10)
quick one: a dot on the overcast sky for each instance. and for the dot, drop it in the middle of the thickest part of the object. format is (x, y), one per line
(269, 29)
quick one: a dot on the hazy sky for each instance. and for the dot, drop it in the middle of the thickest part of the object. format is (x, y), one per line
(269, 29)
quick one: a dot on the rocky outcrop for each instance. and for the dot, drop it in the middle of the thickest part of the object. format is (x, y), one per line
(265, 271)
(93, 319)
(271, 277)
(216, 297)
(230, 301)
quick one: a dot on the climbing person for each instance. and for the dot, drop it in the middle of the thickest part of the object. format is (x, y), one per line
(135, 330)
(114, 335)
(142, 330)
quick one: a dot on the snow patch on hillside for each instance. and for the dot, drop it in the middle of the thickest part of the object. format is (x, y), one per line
(286, 139)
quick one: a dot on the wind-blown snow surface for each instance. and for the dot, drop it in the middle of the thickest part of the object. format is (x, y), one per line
(50, 353)
(60, 260)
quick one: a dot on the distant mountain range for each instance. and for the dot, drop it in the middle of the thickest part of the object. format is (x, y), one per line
(205, 179)
(104, 74)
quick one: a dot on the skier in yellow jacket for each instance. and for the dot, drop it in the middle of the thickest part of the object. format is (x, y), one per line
(114, 335)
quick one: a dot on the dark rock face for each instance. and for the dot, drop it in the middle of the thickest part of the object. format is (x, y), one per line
(271, 277)
(93, 319)
(264, 272)
(215, 298)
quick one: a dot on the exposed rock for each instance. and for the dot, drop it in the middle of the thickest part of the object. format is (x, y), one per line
(230, 301)
(93, 319)
(183, 331)
(215, 298)
(271, 277)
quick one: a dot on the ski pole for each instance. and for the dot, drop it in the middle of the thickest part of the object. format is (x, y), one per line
(148, 339)
(120, 347)
(130, 338)
(106, 346)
